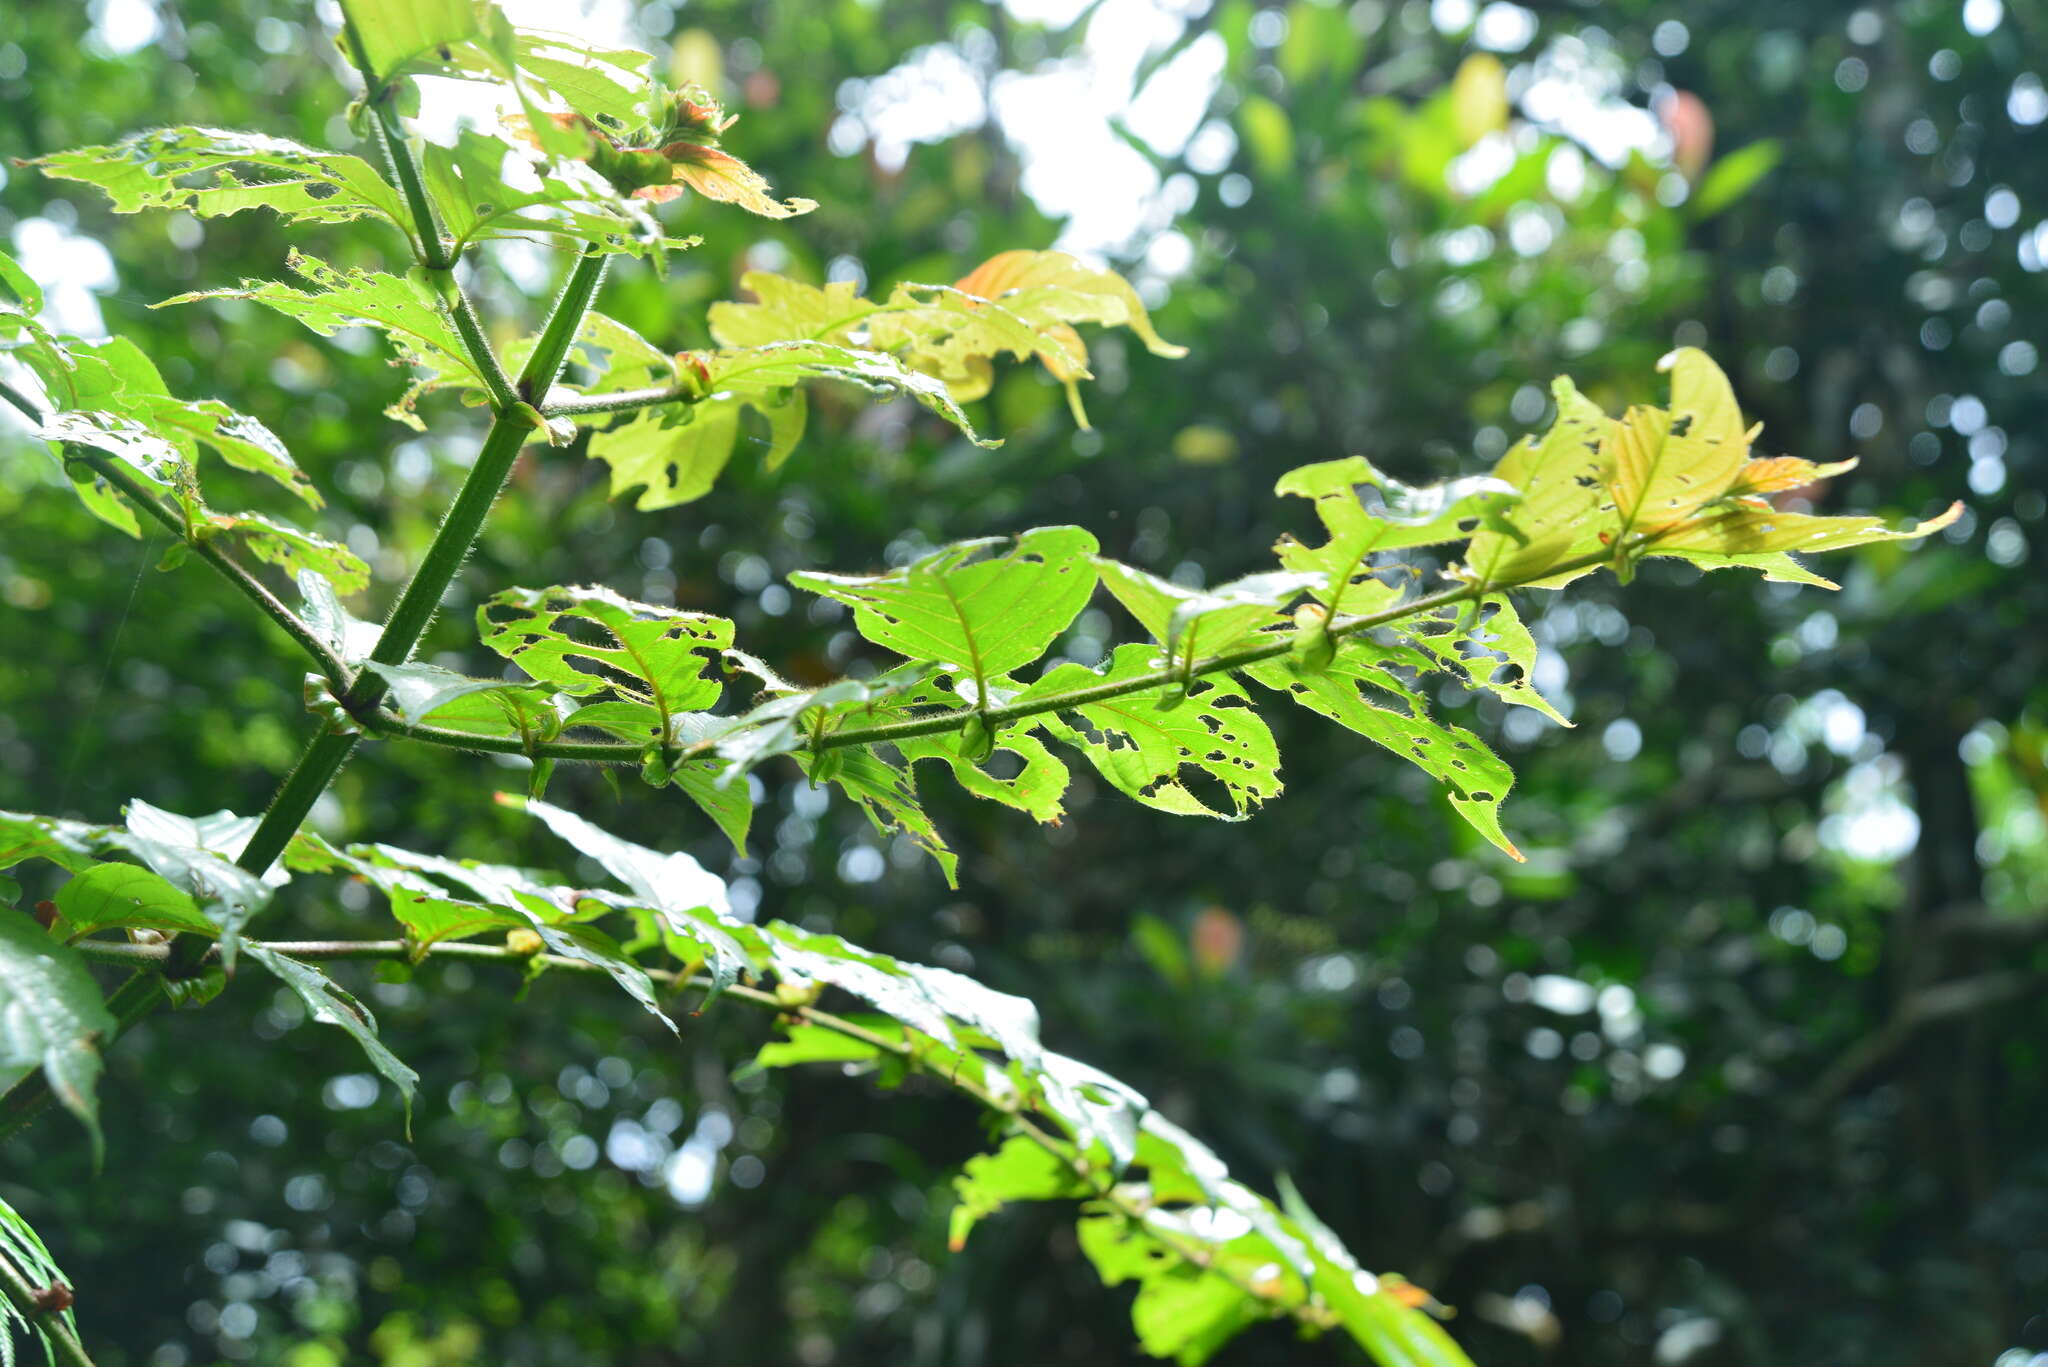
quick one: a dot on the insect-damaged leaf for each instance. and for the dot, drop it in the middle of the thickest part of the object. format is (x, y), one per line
(1403, 517)
(216, 171)
(1359, 690)
(986, 614)
(1191, 623)
(1484, 643)
(1662, 465)
(1150, 749)
(290, 548)
(328, 1003)
(674, 452)
(589, 640)
(402, 308)
(1558, 517)
(51, 1017)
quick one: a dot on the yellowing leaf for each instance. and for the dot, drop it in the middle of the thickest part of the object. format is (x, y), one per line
(1664, 464)
(1751, 527)
(1557, 517)
(723, 177)
(1774, 474)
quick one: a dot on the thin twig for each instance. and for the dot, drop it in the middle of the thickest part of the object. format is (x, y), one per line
(117, 473)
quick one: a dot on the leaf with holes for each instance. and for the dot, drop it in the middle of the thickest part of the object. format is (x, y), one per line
(1664, 465)
(1151, 750)
(1360, 690)
(328, 1003)
(52, 1018)
(966, 607)
(1559, 517)
(290, 548)
(1486, 644)
(785, 310)
(1402, 517)
(215, 171)
(590, 640)
(1750, 533)
(889, 797)
(675, 452)
(1192, 623)
(402, 308)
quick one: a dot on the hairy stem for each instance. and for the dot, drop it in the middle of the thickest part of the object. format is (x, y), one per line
(422, 594)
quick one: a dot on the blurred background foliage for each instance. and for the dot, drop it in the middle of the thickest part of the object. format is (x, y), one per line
(1743, 1066)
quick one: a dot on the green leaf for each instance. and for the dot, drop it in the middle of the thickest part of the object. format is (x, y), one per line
(344, 633)
(1663, 465)
(1021, 1170)
(417, 886)
(590, 640)
(427, 693)
(70, 845)
(967, 608)
(1405, 517)
(401, 307)
(788, 310)
(124, 897)
(1182, 1311)
(690, 899)
(1191, 623)
(328, 1003)
(197, 854)
(1146, 743)
(428, 912)
(807, 1043)
(1559, 517)
(478, 202)
(1359, 690)
(194, 854)
(889, 797)
(1037, 787)
(292, 549)
(51, 1017)
(216, 171)
(18, 289)
(1486, 644)
(1733, 176)
(1098, 1111)
(675, 452)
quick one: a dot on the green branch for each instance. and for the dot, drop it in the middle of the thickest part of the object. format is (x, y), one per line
(939, 723)
(621, 401)
(330, 749)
